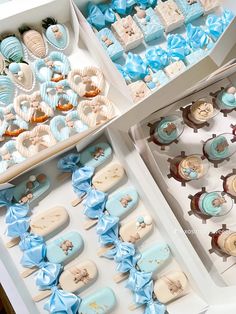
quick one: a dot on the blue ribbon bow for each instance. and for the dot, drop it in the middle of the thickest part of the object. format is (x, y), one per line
(135, 67)
(215, 26)
(81, 180)
(94, 204)
(123, 72)
(197, 37)
(227, 18)
(108, 13)
(69, 163)
(62, 302)
(146, 3)
(157, 58)
(177, 47)
(123, 7)
(6, 197)
(48, 275)
(95, 16)
(144, 297)
(34, 256)
(16, 212)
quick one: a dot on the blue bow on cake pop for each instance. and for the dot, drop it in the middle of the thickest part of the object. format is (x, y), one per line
(177, 47)
(157, 58)
(197, 37)
(144, 297)
(122, 7)
(227, 18)
(135, 67)
(144, 4)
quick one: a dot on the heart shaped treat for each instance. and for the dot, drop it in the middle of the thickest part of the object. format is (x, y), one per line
(22, 75)
(7, 90)
(12, 49)
(56, 34)
(63, 127)
(34, 41)
(59, 95)
(32, 108)
(10, 124)
(2, 64)
(9, 156)
(53, 68)
(96, 111)
(32, 142)
(87, 82)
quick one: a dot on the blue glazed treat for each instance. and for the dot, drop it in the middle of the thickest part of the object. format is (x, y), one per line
(195, 56)
(166, 132)
(95, 155)
(56, 34)
(207, 204)
(226, 100)
(191, 9)
(122, 202)
(149, 24)
(111, 45)
(217, 148)
(12, 49)
(7, 90)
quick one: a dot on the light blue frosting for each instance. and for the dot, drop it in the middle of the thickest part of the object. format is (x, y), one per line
(87, 157)
(154, 258)
(100, 302)
(226, 100)
(7, 90)
(150, 26)
(206, 205)
(15, 156)
(211, 145)
(190, 11)
(60, 43)
(114, 205)
(195, 56)
(12, 49)
(61, 131)
(55, 254)
(115, 50)
(162, 136)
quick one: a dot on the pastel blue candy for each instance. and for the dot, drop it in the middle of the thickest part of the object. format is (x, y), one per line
(211, 148)
(190, 11)
(115, 50)
(91, 156)
(206, 204)
(154, 258)
(12, 49)
(61, 42)
(14, 67)
(7, 90)
(39, 189)
(226, 101)
(150, 26)
(114, 205)
(195, 56)
(100, 302)
(65, 247)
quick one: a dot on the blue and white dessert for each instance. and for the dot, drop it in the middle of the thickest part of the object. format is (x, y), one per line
(7, 90)
(215, 204)
(226, 100)
(169, 129)
(139, 91)
(209, 5)
(195, 56)
(149, 24)
(191, 9)
(111, 45)
(155, 80)
(56, 34)
(175, 68)
(95, 155)
(218, 148)
(12, 49)
(157, 58)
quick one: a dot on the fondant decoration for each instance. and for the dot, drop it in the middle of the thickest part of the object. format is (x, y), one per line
(95, 155)
(9, 156)
(139, 91)
(87, 82)
(209, 5)
(30, 143)
(55, 67)
(33, 41)
(56, 34)
(157, 58)
(191, 9)
(59, 95)
(63, 127)
(111, 45)
(7, 90)
(10, 124)
(201, 111)
(12, 49)
(32, 108)
(175, 68)
(192, 167)
(170, 15)
(127, 32)
(22, 75)
(103, 300)
(226, 99)
(149, 23)
(96, 111)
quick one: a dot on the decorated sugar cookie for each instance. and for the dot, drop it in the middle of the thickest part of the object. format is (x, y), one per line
(12, 49)
(32, 108)
(55, 67)
(56, 34)
(7, 90)
(30, 143)
(87, 82)
(96, 111)
(63, 127)
(9, 156)
(33, 41)
(21, 75)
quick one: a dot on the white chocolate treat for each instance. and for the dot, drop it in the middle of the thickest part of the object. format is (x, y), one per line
(139, 91)
(231, 185)
(175, 68)
(136, 229)
(127, 32)
(108, 177)
(78, 276)
(209, 5)
(170, 15)
(170, 287)
(201, 111)
(23, 78)
(227, 242)
(49, 221)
